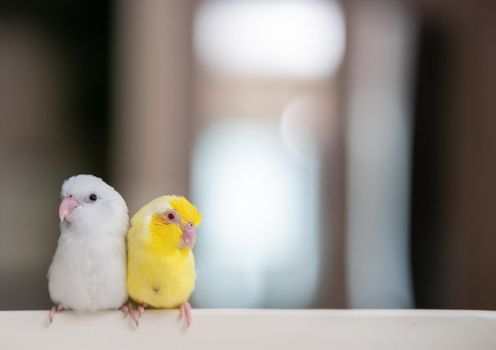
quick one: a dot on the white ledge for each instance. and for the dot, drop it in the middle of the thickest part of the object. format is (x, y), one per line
(252, 329)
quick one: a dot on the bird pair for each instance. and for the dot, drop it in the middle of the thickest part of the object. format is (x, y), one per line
(90, 269)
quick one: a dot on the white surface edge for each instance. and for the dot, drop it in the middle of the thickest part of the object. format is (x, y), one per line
(248, 329)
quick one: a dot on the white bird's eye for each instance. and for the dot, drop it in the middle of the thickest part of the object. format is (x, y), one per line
(171, 216)
(93, 197)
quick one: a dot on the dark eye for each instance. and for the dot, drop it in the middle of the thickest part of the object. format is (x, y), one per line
(93, 197)
(172, 216)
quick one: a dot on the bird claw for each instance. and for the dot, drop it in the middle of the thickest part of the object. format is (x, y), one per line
(137, 313)
(55, 309)
(135, 316)
(185, 309)
(126, 310)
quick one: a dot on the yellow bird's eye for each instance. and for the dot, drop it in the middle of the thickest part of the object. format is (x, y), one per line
(172, 217)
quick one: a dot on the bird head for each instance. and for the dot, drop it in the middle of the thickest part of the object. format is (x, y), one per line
(173, 221)
(88, 202)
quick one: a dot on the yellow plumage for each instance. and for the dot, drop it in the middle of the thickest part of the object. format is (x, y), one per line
(161, 273)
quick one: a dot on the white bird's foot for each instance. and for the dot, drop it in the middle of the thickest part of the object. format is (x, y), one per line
(55, 309)
(185, 309)
(137, 313)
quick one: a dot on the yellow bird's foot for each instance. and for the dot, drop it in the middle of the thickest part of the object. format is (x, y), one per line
(137, 313)
(185, 309)
(55, 309)
(126, 309)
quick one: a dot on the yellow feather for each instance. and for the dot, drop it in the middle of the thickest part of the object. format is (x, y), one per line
(160, 273)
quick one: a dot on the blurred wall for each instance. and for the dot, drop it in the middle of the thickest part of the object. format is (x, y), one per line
(382, 46)
(31, 141)
(471, 149)
(53, 124)
(61, 115)
(453, 224)
(153, 99)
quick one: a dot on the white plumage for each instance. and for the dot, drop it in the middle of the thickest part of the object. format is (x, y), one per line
(88, 271)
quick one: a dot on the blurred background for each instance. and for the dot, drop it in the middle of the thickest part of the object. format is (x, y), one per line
(342, 152)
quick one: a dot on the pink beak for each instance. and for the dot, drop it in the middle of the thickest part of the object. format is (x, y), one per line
(188, 238)
(67, 206)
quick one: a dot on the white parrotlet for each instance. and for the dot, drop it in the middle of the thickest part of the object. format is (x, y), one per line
(88, 271)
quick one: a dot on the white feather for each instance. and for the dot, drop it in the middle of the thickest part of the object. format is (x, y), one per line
(88, 271)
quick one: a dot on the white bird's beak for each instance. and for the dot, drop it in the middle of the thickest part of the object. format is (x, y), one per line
(66, 207)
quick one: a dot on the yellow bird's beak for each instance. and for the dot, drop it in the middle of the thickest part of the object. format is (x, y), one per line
(188, 238)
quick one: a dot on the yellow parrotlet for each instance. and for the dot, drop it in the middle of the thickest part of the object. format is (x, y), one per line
(161, 266)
